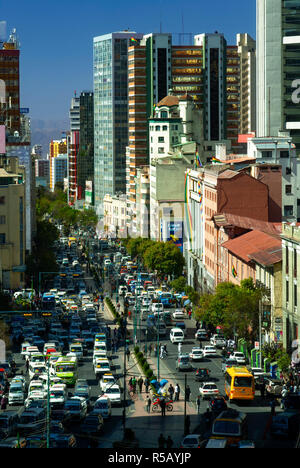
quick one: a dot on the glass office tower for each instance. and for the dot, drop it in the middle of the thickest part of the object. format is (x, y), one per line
(110, 113)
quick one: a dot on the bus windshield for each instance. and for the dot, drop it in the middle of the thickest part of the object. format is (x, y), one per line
(65, 368)
(243, 382)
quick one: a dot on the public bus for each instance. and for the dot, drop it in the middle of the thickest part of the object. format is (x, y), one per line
(48, 301)
(239, 384)
(66, 368)
(72, 241)
(166, 298)
(231, 425)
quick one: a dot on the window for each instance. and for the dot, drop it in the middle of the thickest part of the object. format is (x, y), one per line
(284, 154)
(165, 128)
(288, 171)
(2, 200)
(288, 210)
(288, 189)
(2, 219)
(161, 139)
(2, 238)
(295, 295)
(161, 150)
(266, 154)
(163, 114)
(287, 291)
(157, 128)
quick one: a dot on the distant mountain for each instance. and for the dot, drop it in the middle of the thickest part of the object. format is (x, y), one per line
(43, 131)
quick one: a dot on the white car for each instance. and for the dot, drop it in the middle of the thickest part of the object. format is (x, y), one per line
(106, 381)
(178, 314)
(208, 389)
(196, 354)
(157, 307)
(191, 441)
(209, 351)
(239, 357)
(113, 392)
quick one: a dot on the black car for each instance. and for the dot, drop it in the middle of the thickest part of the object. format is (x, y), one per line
(217, 405)
(202, 375)
(291, 402)
(93, 424)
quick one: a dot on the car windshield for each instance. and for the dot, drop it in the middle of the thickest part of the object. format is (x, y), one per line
(65, 368)
(226, 427)
(112, 390)
(190, 441)
(184, 360)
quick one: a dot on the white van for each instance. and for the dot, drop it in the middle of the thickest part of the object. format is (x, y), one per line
(103, 406)
(176, 335)
(58, 395)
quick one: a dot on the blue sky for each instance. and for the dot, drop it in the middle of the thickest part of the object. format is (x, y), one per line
(57, 36)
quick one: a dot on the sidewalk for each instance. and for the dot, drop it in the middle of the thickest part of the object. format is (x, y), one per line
(149, 426)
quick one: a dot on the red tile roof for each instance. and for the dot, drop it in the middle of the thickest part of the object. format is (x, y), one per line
(251, 243)
(169, 101)
(268, 257)
(228, 219)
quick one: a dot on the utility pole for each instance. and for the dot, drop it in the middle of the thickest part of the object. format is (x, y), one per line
(260, 343)
(124, 381)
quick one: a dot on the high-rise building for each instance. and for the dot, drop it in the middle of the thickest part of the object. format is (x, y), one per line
(73, 148)
(219, 78)
(149, 80)
(58, 170)
(85, 157)
(278, 68)
(247, 52)
(56, 147)
(10, 84)
(110, 113)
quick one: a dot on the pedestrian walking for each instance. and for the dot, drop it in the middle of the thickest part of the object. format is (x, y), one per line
(3, 402)
(187, 393)
(171, 391)
(162, 403)
(140, 384)
(161, 441)
(148, 403)
(133, 384)
(128, 354)
(179, 348)
(177, 392)
(150, 349)
(198, 403)
(146, 384)
(169, 443)
(27, 365)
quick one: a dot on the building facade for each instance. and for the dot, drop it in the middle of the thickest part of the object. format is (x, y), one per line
(85, 157)
(278, 68)
(111, 113)
(290, 285)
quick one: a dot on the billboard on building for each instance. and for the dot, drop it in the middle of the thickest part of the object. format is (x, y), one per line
(172, 230)
(89, 192)
(2, 139)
